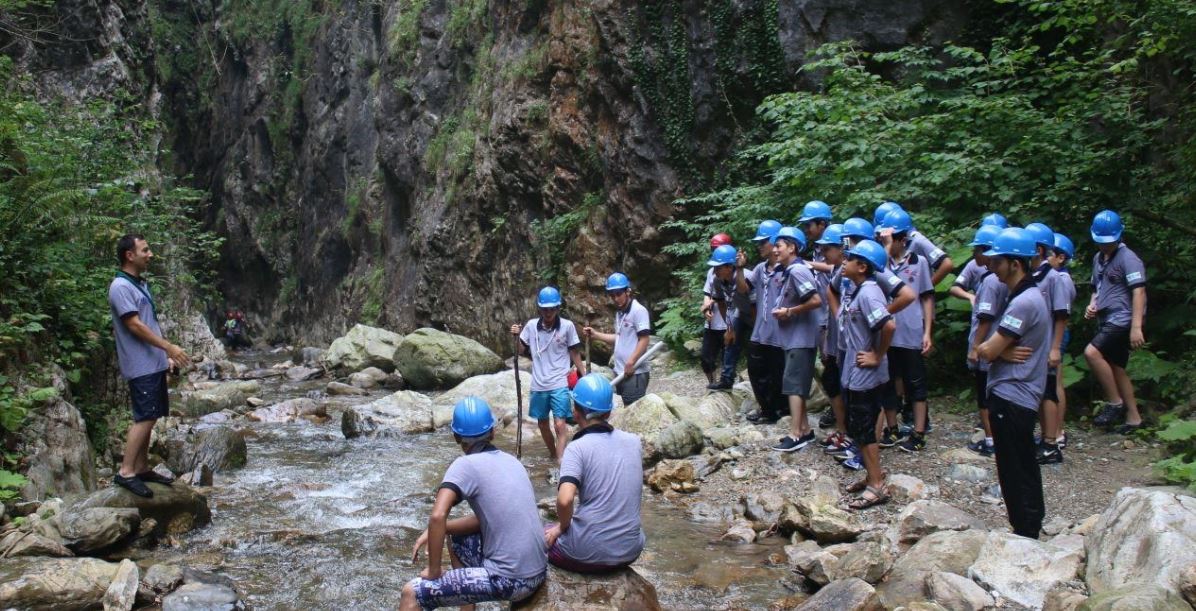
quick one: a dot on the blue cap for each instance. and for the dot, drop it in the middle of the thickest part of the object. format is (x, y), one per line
(472, 417)
(1063, 244)
(856, 227)
(594, 393)
(832, 235)
(1106, 227)
(871, 252)
(878, 217)
(723, 255)
(549, 297)
(766, 230)
(815, 210)
(899, 221)
(617, 282)
(1013, 242)
(792, 233)
(994, 218)
(1042, 234)
(985, 235)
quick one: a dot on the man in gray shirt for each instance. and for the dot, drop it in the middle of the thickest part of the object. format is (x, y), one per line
(144, 358)
(633, 327)
(602, 471)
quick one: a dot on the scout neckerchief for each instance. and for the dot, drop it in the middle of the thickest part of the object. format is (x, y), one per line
(138, 282)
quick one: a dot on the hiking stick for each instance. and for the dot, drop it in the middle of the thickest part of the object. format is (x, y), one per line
(649, 354)
(589, 323)
(518, 402)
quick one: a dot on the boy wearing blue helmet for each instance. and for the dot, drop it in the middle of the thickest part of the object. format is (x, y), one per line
(987, 307)
(815, 218)
(1054, 293)
(633, 327)
(966, 282)
(603, 471)
(1064, 293)
(940, 263)
(766, 357)
(796, 312)
(552, 343)
(498, 553)
(720, 270)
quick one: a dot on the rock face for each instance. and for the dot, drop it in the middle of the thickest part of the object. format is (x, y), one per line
(429, 358)
(567, 591)
(1145, 535)
(58, 451)
(1024, 570)
(54, 583)
(362, 347)
(405, 411)
(175, 509)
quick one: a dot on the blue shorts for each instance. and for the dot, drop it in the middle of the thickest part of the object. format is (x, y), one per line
(472, 584)
(557, 401)
(149, 396)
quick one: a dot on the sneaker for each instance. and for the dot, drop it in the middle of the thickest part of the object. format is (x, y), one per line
(789, 444)
(155, 478)
(762, 418)
(981, 448)
(134, 485)
(888, 439)
(835, 442)
(1110, 414)
(915, 443)
(806, 440)
(1061, 441)
(1129, 429)
(904, 430)
(853, 462)
(827, 419)
(907, 416)
(723, 384)
(1049, 454)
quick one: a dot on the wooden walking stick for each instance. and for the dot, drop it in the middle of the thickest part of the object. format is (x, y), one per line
(589, 323)
(518, 402)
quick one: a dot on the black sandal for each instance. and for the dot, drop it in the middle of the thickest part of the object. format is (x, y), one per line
(134, 485)
(863, 502)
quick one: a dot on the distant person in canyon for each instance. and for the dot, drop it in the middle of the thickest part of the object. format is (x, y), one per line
(602, 471)
(552, 343)
(630, 339)
(236, 330)
(144, 356)
(497, 553)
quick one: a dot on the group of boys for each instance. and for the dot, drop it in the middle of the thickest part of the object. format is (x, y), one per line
(861, 296)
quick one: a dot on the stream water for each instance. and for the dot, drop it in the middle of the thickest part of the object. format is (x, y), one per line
(315, 521)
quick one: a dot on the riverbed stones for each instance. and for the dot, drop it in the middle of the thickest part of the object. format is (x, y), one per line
(1022, 569)
(1146, 535)
(429, 358)
(823, 521)
(19, 543)
(762, 508)
(567, 591)
(844, 595)
(163, 577)
(219, 397)
(122, 592)
(950, 551)
(906, 488)
(963, 472)
(290, 410)
(370, 377)
(307, 355)
(740, 531)
(669, 472)
(176, 508)
(497, 389)
(66, 584)
(1136, 596)
(202, 597)
(300, 373)
(221, 448)
(340, 389)
(89, 530)
(363, 346)
(404, 412)
(956, 592)
(922, 518)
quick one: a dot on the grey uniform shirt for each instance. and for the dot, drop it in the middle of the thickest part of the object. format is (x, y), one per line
(1065, 293)
(500, 494)
(1028, 323)
(629, 326)
(860, 321)
(830, 342)
(889, 283)
(549, 349)
(991, 296)
(1114, 282)
(970, 276)
(765, 281)
(921, 245)
(136, 357)
(712, 289)
(915, 273)
(797, 287)
(605, 465)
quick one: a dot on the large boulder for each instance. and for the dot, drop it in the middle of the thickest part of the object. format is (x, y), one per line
(288, 411)
(1145, 535)
(922, 518)
(96, 528)
(202, 597)
(679, 440)
(362, 347)
(844, 595)
(1136, 596)
(403, 412)
(567, 591)
(56, 449)
(1024, 570)
(54, 583)
(947, 551)
(175, 509)
(18, 543)
(220, 448)
(218, 397)
(429, 358)
(649, 416)
(497, 389)
(711, 411)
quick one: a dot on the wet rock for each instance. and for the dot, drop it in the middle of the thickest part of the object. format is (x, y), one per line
(763, 508)
(669, 472)
(122, 592)
(1145, 535)
(176, 508)
(163, 577)
(921, 518)
(429, 358)
(255, 402)
(362, 347)
(89, 530)
(1136, 596)
(368, 378)
(866, 561)
(219, 447)
(200, 476)
(1022, 569)
(54, 583)
(957, 593)
(302, 374)
(679, 440)
(907, 488)
(202, 597)
(844, 595)
(404, 412)
(824, 522)
(18, 543)
(54, 446)
(709, 512)
(948, 551)
(968, 473)
(288, 411)
(740, 531)
(223, 396)
(340, 389)
(307, 355)
(566, 591)
(498, 389)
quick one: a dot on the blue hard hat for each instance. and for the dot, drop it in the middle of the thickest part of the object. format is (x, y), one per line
(856, 227)
(832, 235)
(793, 233)
(1042, 234)
(594, 393)
(1063, 244)
(1106, 227)
(1013, 242)
(549, 297)
(994, 218)
(871, 252)
(617, 282)
(899, 221)
(815, 210)
(878, 217)
(985, 235)
(472, 417)
(723, 255)
(766, 230)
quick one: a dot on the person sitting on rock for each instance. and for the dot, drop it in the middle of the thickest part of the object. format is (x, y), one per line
(602, 471)
(498, 553)
(551, 342)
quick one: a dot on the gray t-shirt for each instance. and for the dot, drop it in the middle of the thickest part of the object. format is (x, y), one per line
(991, 296)
(549, 349)
(136, 357)
(1028, 323)
(915, 273)
(830, 341)
(970, 276)
(629, 326)
(498, 490)
(860, 319)
(765, 282)
(605, 465)
(1114, 282)
(797, 287)
(713, 290)
(1064, 293)
(921, 245)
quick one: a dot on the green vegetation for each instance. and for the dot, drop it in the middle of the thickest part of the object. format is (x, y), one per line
(553, 235)
(403, 37)
(1180, 437)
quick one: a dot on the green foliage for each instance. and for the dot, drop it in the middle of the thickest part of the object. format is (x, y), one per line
(10, 484)
(403, 37)
(465, 21)
(664, 77)
(375, 292)
(1180, 466)
(553, 235)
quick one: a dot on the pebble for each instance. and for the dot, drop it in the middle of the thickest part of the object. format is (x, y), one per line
(740, 474)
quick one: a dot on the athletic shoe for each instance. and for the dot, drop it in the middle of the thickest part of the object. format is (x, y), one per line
(827, 419)
(134, 485)
(1129, 429)
(762, 418)
(155, 477)
(844, 452)
(981, 448)
(806, 440)
(1061, 441)
(853, 462)
(915, 443)
(904, 430)
(888, 439)
(838, 441)
(1110, 414)
(720, 385)
(1049, 454)
(787, 444)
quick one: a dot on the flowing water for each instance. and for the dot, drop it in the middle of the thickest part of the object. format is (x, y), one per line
(315, 521)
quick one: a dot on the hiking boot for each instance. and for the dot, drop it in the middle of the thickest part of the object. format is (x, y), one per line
(723, 384)
(888, 438)
(915, 443)
(134, 485)
(1049, 454)
(827, 419)
(1110, 414)
(981, 448)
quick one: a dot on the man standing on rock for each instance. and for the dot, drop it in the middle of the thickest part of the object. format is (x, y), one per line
(552, 343)
(630, 339)
(144, 357)
(602, 471)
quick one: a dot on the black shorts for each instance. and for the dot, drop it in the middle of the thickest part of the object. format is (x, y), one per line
(149, 397)
(1113, 342)
(1052, 382)
(981, 388)
(712, 350)
(863, 408)
(909, 365)
(831, 384)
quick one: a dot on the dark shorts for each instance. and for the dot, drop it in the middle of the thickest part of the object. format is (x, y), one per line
(980, 388)
(1052, 383)
(1113, 342)
(471, 584)
(712, 350)
(633, 388)
(799, 372)
(831, 383)
(149, 396)
(558, 558)
(863, 408)
(908, 365)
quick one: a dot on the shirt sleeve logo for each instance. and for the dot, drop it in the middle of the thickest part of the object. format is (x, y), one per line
(807, 286)
(936, 253)
(1011, 322)
(893, 280)
(984, 307)
(1132, 276)
(875, 315)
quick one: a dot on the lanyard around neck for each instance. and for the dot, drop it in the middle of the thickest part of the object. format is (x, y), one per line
(138, 283)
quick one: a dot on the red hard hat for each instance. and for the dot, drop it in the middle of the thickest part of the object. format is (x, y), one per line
(572, 378)
(719, 239)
